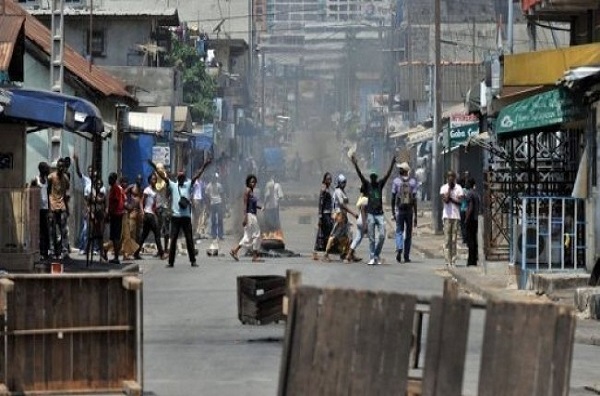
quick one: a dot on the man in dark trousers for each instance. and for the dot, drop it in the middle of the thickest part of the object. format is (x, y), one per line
(471, 222)
(404, 210)
(375, 219)
(181, 211)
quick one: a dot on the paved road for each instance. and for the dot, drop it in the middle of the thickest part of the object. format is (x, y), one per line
(195, 345)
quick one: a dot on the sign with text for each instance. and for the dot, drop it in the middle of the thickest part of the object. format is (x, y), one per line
(460, 134)
(544, 110)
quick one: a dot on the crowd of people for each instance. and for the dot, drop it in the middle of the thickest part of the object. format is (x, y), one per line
(130, 212)
(461, 206)
(174, 204)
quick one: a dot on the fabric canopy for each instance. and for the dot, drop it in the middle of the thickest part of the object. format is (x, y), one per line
(49, 109)
(539, 112)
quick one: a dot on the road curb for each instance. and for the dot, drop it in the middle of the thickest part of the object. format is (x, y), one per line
(581, 337)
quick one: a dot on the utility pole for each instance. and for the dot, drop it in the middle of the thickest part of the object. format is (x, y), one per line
(56, 68)
(436, 208)
(409, 59)
(262, 89)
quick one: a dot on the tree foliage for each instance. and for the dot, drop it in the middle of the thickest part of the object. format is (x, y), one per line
(199, 87)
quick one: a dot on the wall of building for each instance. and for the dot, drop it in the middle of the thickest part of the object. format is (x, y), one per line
(151, 86)
(121, 35)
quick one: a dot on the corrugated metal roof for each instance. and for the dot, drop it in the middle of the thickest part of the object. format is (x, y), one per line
(96, 78)
(168, 17)
(11, 26)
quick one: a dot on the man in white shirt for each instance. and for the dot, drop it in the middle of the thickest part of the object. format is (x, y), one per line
(86, 181)
(214, 194)
(273, 194)
(452, 194)
(41, 181)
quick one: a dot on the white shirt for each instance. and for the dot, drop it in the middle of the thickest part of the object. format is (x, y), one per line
(214, 191)
(362, 202)
(452, 210)
(339, 198)
(43, 193)
(198, 194)
(273, 194)
(150, 201)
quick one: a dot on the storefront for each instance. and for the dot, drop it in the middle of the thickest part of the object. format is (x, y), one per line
(544, 139)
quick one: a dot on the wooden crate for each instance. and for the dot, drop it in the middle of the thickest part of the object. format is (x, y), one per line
(71, 333)
(260, 298)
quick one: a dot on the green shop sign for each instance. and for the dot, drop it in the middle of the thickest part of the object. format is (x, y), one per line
(460, 133)
(539, 111)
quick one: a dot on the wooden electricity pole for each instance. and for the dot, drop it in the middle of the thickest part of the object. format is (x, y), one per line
(436, 209)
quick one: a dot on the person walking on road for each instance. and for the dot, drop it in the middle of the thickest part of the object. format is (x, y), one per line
(96, 202)
(340, 231)
(150, 221)
(452, 195)
(116, 211)
(199, 206)
(214, 197)
(251, 238)
(163, 210)
(58, 195)
(87, 180)
(404, 210)
(325, 222)
(471, 221)
(41, 181)
(181, 211)
(361, 226)
(375, 219)
(273, 194)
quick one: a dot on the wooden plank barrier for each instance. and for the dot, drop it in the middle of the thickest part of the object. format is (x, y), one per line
(527, 349)
(446, 346)
(73, 333)
(347, 342)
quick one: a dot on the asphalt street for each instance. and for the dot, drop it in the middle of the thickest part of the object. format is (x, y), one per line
(194, 343)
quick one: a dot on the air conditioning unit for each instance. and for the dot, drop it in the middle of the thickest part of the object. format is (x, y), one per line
(538, 245)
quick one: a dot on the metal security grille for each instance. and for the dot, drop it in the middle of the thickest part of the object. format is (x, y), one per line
(541, 164)
(550, 234)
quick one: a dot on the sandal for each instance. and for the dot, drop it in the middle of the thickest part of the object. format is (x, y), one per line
(234, 255)
(258, 260)
(326, 259)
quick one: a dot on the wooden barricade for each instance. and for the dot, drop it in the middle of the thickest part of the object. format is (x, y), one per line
(527, 349)
(72, 333)
(347, 342)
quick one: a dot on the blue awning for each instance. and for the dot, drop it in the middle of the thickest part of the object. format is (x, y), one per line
(49, 109)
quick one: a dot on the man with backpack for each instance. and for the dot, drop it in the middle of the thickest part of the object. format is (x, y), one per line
(404, 210)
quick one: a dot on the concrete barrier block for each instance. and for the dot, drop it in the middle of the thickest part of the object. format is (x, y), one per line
(587, 299)
(546, 283)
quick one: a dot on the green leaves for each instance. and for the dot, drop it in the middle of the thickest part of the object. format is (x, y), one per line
(199, 87)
